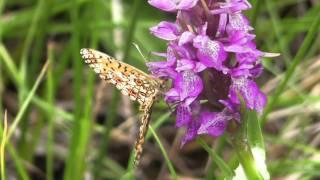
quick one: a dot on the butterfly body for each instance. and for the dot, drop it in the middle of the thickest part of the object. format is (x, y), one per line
(131, 81)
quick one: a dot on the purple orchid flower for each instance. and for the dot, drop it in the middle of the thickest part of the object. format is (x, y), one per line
(211, 56)
(173, 5)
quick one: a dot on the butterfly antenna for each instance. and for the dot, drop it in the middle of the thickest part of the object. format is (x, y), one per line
(140, 52)
(172, 106)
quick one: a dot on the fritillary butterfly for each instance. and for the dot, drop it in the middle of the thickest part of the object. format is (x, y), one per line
(132, 82)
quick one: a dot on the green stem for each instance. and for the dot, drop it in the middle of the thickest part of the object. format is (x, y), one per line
(164, 153)
(246, 159)
(241, 145)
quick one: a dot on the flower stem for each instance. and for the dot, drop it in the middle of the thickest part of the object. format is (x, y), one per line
(241, 145)
(246, 159)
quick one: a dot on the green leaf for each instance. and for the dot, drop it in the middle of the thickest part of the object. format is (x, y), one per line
(256, 142)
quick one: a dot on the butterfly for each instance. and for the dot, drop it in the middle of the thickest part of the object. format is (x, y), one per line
(132, 82)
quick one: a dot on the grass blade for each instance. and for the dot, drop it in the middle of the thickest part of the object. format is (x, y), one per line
(27, 101)
(51, 116)
(296, 61)
(164, 153)
(2, 147)
(8, 61)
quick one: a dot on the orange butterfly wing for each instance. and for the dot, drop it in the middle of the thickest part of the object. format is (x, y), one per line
(130, 81)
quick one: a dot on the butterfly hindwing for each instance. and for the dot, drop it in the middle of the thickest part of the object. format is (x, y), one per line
(143, 129)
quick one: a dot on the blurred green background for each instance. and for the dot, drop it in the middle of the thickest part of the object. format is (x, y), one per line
(67, 124)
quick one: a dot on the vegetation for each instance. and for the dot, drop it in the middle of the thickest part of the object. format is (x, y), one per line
(59, 121)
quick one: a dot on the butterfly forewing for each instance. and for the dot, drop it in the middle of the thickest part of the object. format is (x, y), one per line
(128, 79)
